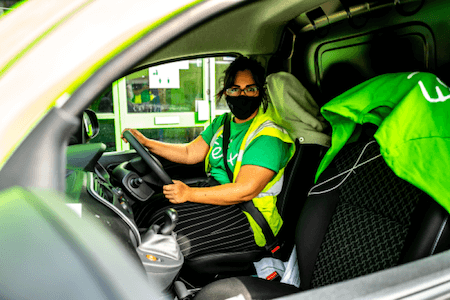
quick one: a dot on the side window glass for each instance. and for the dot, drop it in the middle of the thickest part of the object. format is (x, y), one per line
(103, 106)
(171, 87)
(104, 103)
(172, 102)
(221, 64)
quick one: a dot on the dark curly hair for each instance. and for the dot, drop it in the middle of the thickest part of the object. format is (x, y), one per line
(243, 63)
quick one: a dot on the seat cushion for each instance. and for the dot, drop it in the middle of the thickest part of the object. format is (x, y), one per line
(369, 215)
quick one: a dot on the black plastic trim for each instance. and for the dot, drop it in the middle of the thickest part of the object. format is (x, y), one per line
(94, 194)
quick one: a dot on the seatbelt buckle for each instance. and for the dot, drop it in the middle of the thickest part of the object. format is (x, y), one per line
(274, 277)
(275, 249)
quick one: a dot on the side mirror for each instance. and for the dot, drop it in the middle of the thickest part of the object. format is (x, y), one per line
(90, 125)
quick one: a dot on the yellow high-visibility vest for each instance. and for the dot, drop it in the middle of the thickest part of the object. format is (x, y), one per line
(262, 124)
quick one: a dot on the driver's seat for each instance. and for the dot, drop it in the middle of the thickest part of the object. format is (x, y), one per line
(290, 201)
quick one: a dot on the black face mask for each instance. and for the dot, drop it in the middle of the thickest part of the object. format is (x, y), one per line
(243, 106)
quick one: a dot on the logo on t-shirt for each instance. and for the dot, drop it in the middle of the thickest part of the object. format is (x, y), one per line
(217, 150)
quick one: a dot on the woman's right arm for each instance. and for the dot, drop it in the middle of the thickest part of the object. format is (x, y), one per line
(191, 153)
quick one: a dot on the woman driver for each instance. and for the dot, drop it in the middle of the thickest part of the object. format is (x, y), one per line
(209, 220)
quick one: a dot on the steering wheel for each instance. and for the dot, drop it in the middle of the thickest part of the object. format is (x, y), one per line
(148, 158)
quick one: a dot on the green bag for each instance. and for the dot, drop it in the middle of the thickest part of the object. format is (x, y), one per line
(412, 114)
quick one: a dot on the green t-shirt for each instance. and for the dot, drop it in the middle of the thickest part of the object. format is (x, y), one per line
(264, 151)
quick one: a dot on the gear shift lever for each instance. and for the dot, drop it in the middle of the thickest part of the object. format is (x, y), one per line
(170, 221)
(159, 251)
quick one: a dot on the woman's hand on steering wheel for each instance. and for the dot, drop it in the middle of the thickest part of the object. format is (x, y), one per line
(177, 193)
(137, 134)
(148, 158)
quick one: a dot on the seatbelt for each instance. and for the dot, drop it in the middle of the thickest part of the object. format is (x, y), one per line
(272, 243)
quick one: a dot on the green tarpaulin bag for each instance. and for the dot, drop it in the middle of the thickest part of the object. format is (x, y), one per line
(412, 114)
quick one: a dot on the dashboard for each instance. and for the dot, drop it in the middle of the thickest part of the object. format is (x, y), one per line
(89, 184)
(108, 195)
(106, 187)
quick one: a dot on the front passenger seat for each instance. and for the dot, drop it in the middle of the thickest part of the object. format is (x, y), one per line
(361, 218)
(356, 221)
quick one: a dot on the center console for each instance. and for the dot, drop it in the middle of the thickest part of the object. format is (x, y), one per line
(157, 249)
(160, 253)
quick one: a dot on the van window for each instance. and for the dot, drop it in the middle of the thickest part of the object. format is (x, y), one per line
(172, 102)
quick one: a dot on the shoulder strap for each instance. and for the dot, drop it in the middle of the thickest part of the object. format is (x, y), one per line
(226, 140)
(272, 244)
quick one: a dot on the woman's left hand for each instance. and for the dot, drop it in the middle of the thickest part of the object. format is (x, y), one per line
(177, 193)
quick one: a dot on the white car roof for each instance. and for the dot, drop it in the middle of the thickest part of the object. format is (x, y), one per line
(50, 47)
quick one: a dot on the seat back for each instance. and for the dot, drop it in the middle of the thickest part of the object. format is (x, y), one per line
(294, 108)
(361, 218)
(298, 179)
